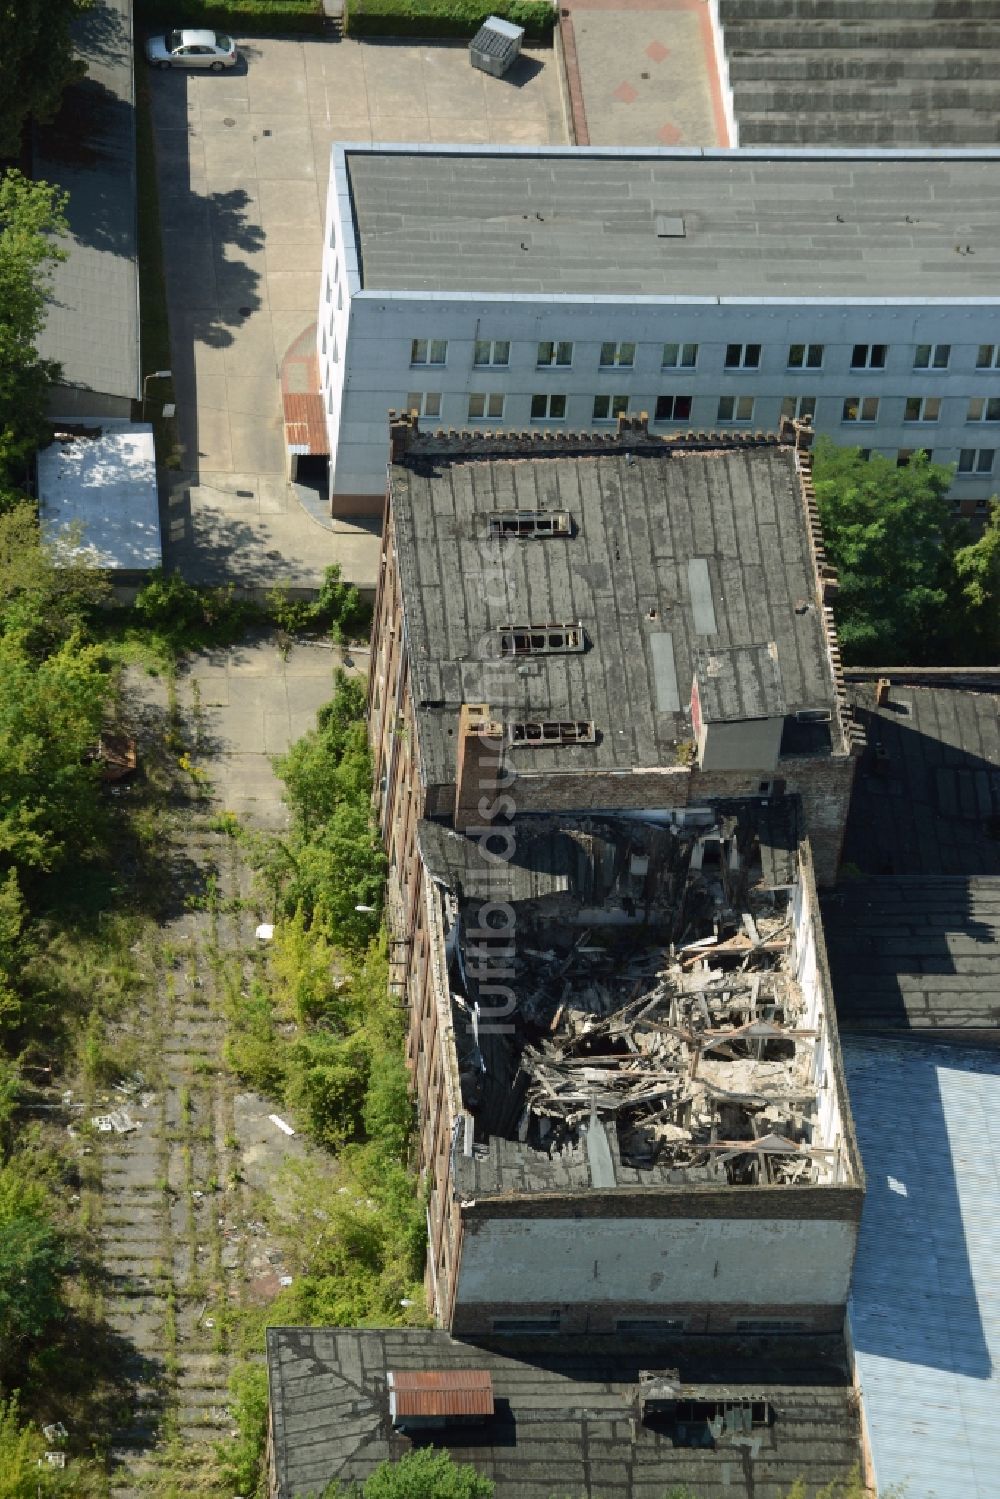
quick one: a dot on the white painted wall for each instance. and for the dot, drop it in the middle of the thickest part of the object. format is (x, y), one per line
(659, 1261)
(374, 330)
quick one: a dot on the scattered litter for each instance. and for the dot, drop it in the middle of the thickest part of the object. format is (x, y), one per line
(209, 1322)
(405, 1301)
(55, 1433)
(197, 1195)
(286, 1129)
(146, 1100)
(53, 1460)
(264, 932)
(285, 1280)
(118, 1122)
(67, 1097)
(71, 1131)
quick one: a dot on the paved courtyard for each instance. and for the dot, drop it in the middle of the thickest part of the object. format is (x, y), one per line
(243, 168)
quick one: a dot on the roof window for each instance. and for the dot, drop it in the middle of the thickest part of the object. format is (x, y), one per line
(540, 640)
(541, 733)
(530, 523)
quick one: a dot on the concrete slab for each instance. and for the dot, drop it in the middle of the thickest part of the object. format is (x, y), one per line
(243, 166)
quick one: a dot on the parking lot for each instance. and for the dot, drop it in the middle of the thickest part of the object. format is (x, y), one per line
(243, 165)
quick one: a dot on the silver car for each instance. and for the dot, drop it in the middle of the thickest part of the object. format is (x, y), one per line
(192, 49)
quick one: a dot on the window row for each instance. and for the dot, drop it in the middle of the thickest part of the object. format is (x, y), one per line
(495, 353)
(552, 406)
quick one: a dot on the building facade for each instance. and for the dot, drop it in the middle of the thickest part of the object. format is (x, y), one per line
(559, 289)
(609, 740)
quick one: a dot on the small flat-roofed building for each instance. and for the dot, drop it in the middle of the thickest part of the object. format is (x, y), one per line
(502, 287)
(97, 495)
(631, 1109)
(596, 1418)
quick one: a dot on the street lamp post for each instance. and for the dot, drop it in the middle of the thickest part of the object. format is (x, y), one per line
(153, 375)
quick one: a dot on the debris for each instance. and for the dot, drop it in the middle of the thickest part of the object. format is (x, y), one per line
(285, 1280)
(55, 1433)
(286, 1129)
(265, 932)
(53, 1460)
(118, 1122)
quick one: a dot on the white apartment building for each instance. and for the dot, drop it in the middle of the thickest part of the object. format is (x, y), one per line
(491, 287)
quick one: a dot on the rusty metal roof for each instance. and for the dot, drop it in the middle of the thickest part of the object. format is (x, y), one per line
(441, 1392)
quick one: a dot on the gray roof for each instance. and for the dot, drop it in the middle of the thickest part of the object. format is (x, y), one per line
(925, 1301)
(583, 222)
(563, 1414)
(639, 524)
(927, 793)
(916, 953)
(92, 327)
(740, 683)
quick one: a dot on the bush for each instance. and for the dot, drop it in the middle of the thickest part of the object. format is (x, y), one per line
(455, 18)
(337, 607)
(244, 17)
(186, 615)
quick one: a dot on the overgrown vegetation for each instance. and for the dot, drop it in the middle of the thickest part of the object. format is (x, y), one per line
(917, 587)
(430, 1473)
(445, 18)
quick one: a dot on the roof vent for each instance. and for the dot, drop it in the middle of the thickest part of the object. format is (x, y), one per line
(669, 226)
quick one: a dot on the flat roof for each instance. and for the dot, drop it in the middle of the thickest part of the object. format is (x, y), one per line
(668, 551)
(92, 319)
(104, 488)
(925, 1301)
(564, 1413)
(579, 221)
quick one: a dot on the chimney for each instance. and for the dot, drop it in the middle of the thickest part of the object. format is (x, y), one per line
(402, 430)
(882, 691)
(479, 762)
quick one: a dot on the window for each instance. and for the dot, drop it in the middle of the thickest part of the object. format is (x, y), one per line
(485, 407)
(673, 409)
(805, 356)
(424, 402)
(548, 408)
(550, 1323)
(492, 351)
(555, 355)
(735, 409)
(617, 356)
(768, 1324)
(869, 356)
(340, 299)
(540, 640)
(742, 356)
(530, 523)
(679, 356)
(649, 1326)
(428, 351)
(921, 409)
(976, 460)
(932, 356)
(981, 410)
(906, 455)
(860, 409)
(798, 406)
(988, 357)
(329, 291)
(540, 733)
(606, 408)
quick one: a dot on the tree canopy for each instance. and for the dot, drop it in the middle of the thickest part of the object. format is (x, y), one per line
(31, 213)
(424, 1473)
(36, 63)
(916, 586)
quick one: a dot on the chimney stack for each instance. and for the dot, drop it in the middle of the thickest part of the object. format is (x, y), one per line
(479, 763)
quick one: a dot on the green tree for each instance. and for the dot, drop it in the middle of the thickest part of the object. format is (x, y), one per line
(33, 1260)
(50, 715)
(36, 63)
(47, 593)
(425, 1473)
(890, 535)
(31, 213)
(977, 569)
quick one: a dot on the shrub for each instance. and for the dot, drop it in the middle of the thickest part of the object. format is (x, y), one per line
(447, 18)
(186, 615)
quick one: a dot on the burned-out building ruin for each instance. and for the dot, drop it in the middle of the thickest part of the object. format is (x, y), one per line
(602, 897)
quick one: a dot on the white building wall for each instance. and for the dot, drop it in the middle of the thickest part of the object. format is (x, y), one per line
(373, 373)
(662, 1262)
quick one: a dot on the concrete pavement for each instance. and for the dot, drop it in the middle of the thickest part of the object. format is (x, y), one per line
(243, 168)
